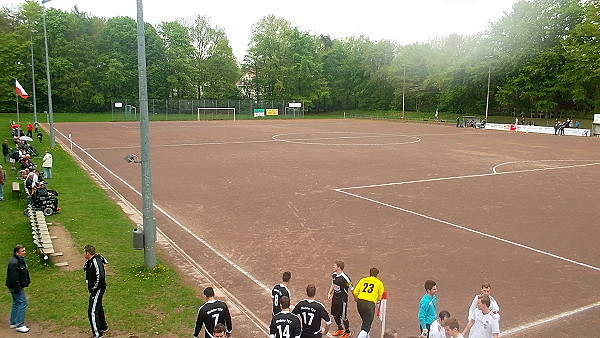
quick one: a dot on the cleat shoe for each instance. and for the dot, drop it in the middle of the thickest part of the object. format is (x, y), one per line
(338, 333)
(345, 335)
(13, 326)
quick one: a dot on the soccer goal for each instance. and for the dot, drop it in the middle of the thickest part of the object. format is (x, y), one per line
(216, 113)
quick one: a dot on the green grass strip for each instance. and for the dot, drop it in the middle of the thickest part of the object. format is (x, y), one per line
(138, 301)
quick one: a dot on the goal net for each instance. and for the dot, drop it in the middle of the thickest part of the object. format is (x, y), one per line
(216, 113)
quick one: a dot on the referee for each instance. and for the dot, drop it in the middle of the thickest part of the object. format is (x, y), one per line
(367, 293)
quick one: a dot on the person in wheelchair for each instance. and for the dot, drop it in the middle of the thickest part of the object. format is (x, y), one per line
(45, 199)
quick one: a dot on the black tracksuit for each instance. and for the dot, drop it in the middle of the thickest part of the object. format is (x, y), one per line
(96, 283)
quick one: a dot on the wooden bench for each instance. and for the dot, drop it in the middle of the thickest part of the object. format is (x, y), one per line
(16, 188)
(39, 232)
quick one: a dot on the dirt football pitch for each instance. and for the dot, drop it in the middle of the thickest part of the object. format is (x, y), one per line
(240, 202)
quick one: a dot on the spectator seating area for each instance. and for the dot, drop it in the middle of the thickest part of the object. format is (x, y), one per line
(41, 202)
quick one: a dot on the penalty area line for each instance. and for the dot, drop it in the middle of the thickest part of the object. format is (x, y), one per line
(500, 239)
(550, 319)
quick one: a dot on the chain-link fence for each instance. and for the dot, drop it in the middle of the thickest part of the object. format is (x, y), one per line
(128, 110)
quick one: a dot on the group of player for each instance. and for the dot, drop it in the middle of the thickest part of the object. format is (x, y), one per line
(304, 320)
(483, 318)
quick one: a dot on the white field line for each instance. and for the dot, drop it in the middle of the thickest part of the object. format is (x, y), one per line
(549, 319)
(412, 139)
(467, 176)
(536, 161)
(182, 144)
(274, 138)
(164, 212)
(471, 230)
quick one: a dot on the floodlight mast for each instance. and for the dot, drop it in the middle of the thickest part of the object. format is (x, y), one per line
(403, 85)
(487, 101)
(50, 111)
(147, 204)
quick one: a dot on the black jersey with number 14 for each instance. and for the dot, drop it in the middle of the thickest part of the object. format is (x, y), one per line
(285, 325)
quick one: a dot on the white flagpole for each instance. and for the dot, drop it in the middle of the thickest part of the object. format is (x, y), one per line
(382, 311)
(18, 118)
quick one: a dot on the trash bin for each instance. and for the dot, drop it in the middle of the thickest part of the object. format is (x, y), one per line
(138, 239)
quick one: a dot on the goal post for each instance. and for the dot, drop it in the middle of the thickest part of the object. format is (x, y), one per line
(213, 113)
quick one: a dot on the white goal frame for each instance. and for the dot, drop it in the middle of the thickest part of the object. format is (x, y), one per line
(216, 108)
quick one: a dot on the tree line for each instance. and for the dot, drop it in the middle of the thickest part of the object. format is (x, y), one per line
(541, 57)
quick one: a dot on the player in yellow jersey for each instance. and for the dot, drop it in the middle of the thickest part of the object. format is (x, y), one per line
(367, 294)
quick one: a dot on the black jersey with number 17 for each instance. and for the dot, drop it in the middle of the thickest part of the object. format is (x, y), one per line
(311, 312)
(279, 291)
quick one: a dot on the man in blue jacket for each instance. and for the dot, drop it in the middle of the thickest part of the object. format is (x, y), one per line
(17, 278)
(96, 283)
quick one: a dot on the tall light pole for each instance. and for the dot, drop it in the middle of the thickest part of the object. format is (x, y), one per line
(487, 101)
(403, 85)
(35, 119)
(50, 113)
(147, 212)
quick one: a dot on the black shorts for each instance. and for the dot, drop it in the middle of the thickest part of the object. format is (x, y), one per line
(339, 308)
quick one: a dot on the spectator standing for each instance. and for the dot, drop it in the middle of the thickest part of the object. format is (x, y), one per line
(2, 180)
(6, 151)
(30, 130)
(486, 322)
(35, 127)
(40, 136)
(436, 330)
(338, 294)
(311, 312)
(47, 165)
(285, 324)
(452, 328)
(95, 278)
(428, 307)
(279, 291)
(17, 279)
(367, 293)
(486, 289)
(211, 313)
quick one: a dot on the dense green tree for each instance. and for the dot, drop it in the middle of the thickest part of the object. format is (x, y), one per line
(582, 53)
(14, 59)
(222, 72)
(179, 51)
(205, 38)
(543, 56)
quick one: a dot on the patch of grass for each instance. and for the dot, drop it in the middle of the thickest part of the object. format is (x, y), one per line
(156, 298)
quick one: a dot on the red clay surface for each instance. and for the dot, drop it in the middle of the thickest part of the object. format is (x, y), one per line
(263, 194)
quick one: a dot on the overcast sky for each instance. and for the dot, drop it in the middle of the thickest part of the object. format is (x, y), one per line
(402, 21)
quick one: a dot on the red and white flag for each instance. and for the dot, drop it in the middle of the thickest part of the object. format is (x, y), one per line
(22, 93)
(382, 306)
